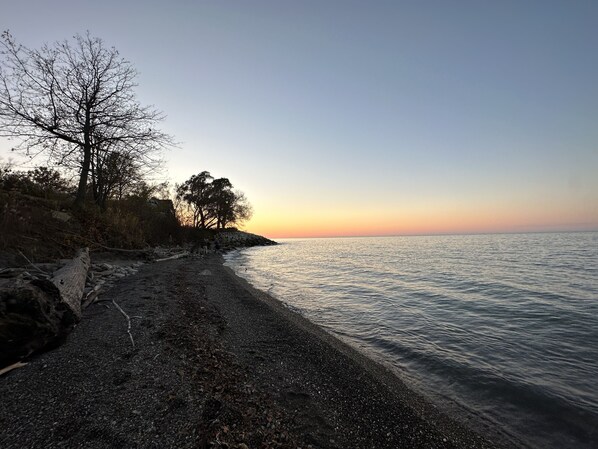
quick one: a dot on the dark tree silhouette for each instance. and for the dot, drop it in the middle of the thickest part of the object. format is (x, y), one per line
(228, 206)
(73, 100)
(113, 174)
(213, 203)
(195, 192)
(221, 201)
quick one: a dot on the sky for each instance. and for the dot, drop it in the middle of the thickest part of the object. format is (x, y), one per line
(341, 118)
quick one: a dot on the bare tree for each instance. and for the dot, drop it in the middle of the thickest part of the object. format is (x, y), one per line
(73, 100)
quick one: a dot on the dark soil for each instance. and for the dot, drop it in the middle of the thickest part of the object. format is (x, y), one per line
(215, 364)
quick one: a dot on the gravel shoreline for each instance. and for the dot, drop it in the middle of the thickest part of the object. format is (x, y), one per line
(213, 363)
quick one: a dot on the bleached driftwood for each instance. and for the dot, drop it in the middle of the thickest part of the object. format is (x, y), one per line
(90, 298)
(70, 280)
(175, 256)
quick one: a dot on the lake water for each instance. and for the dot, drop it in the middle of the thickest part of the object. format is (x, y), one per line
(501, 328)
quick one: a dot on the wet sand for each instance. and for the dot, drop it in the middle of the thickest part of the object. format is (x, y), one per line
(215, 364)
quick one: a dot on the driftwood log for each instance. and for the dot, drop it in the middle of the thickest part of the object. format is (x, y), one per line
(70, 280)
(174, 256)
(40, 313)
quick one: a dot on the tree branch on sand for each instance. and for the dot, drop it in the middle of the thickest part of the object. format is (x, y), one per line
(128, 318)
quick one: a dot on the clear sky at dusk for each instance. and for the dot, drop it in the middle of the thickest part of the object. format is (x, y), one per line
(365, 118)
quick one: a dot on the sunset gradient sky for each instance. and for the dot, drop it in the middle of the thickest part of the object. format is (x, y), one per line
(365, 118)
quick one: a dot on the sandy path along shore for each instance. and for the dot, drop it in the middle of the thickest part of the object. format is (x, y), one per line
(216, 363)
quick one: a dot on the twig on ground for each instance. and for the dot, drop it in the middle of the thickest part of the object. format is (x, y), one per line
(128, 322)
(8, 368)
(32, 264)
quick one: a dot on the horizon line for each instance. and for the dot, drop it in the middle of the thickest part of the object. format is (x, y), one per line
(440, 234)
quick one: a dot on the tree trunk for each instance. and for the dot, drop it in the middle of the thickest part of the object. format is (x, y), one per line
(82, 188)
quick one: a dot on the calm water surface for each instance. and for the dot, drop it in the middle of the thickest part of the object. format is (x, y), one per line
(501, 328)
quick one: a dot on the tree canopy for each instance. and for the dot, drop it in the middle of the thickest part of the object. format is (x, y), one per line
(212, 203)
(75, 102)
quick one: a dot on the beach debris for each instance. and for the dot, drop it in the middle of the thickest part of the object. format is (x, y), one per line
(174, 256)
(91, 295)
(128, 318)
(103, 276)
(9, 368)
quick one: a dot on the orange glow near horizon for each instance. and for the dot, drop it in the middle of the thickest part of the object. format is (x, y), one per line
(419, 222)
(274, 232)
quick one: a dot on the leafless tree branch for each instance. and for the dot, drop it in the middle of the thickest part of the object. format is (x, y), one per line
(75, 101)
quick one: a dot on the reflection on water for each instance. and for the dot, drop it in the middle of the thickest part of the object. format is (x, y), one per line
(504, 326)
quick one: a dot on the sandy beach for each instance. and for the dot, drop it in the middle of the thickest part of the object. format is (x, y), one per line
(211, 362)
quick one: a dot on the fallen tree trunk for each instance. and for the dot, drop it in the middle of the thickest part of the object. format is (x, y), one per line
(40, 313)
(70, 280)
